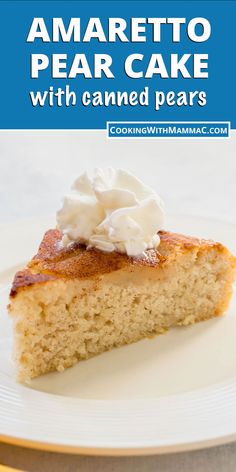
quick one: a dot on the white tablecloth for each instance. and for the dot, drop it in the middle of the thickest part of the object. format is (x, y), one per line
(193, 176)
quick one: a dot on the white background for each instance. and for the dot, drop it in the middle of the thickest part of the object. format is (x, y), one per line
(193, 176)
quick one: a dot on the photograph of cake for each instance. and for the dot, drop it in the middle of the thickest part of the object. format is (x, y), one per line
(117, 262)
(117, 236)
(109, 275)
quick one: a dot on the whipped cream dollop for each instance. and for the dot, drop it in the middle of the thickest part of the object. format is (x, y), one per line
(111, 211)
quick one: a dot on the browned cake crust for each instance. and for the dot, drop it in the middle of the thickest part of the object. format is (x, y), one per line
(53, 261)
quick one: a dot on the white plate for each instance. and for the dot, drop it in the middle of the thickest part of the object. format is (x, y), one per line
(173, 393)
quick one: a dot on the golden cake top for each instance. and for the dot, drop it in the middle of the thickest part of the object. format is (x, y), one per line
(54, 261)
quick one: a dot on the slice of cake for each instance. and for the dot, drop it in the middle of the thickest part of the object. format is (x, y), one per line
(72, 303)
(108, 276)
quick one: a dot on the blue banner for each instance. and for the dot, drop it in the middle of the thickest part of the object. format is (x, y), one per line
(81, 64)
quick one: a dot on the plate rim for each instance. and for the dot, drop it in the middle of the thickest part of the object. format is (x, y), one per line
(115, 451)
